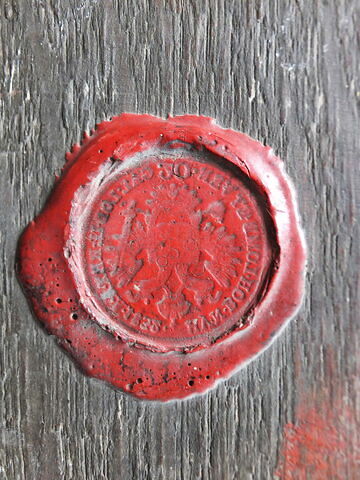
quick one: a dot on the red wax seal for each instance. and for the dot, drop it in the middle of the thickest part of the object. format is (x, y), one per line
(167, 256)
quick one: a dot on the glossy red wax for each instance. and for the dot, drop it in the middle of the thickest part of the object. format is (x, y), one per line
(168, 254)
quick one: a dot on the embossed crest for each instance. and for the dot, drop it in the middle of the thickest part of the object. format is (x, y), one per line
(172, 261)
(168, 243)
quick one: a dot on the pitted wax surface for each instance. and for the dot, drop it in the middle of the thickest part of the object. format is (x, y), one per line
(168, 255)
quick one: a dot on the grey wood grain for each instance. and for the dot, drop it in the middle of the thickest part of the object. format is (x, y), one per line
(287, 73)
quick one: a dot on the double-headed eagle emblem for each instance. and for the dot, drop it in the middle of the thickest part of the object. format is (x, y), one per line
(174, 253)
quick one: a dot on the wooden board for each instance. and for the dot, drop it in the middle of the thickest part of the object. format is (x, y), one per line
(287, 73)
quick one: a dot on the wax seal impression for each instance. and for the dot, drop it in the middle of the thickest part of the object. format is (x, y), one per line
(168, 255)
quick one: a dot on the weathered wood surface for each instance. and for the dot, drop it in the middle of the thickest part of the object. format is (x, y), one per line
(285, 72)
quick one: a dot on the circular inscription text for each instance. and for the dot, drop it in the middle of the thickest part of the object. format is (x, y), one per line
(174, 253)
